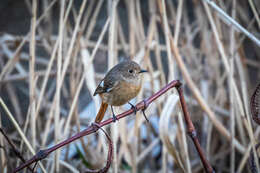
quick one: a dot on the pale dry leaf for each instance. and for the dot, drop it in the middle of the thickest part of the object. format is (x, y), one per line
(165, 133)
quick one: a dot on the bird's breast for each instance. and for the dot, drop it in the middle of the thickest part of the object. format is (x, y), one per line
(121, 94)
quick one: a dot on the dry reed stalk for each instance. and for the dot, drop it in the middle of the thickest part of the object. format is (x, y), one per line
(252, 6)
(67, 58)
(88, 67)
(112, 41)
(131, 37)
(14, 99)
(66, 165)
(124, 149)
(141, 33)
(224, 58)
(57, 124)
(167, 36)
(26, 125)
(207, 125)
(146, 59)
(178, 22)
(232, 105)
(86, 17)
(94, 19)
(50, 63)
(244, 159)
(134, 146)
(32, 75)
(185, 150)
(19, 130)
(147, 150)
(121, 37)
(233, 22)
(201, 101)
(22, 77)
(168, 109)
(156, 47)
(196, 46)
(232, 119)
(10, 64)
(244, 88)
(223, 55)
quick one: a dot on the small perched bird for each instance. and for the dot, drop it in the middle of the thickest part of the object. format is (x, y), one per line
(121, 84)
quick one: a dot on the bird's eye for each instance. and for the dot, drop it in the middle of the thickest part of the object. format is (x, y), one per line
(130, 71)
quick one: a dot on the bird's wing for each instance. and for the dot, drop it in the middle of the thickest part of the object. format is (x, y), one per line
(106, 85)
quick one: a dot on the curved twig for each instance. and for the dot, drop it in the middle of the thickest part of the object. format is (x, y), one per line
(140, 106)
(93, 128)
(109, 156)
(255, 105)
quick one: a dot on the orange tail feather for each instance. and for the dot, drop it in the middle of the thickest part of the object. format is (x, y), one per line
(101, 112)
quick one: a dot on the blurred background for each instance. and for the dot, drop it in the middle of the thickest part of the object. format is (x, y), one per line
(53, 53)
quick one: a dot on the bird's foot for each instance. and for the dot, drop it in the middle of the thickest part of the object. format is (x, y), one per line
(143, 110)
(133, 107)
(96, 126)
(114, 118)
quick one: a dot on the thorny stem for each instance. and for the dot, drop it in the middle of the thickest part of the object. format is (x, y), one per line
(140, 106)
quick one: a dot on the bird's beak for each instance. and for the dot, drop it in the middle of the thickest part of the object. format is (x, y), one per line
(143, 71)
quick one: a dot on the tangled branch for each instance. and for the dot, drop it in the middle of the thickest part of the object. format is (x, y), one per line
(140, 106)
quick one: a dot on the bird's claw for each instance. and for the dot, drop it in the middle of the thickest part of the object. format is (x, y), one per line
(143, 110)
(114, 118)
(133, 107)
(96, 126)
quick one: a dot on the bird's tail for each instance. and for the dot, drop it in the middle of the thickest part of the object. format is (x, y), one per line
(101, 112)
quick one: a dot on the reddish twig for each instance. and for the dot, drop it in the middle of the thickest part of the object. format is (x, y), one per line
(109, 156)
(16, 152)
(140, 106)
(192, 132)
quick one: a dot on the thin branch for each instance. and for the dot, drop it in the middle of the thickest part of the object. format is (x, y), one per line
(229, 19)
(140, 106)
(109, 156)
(21, 133)
(252, 163)
(192, 132)
(16, 152)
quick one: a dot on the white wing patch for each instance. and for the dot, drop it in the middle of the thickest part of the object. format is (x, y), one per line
(109, 89)
(101, 84)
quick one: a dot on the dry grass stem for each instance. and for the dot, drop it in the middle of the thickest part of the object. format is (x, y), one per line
(54, 53)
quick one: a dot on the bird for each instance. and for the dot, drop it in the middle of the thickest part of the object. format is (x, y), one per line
(121, 84)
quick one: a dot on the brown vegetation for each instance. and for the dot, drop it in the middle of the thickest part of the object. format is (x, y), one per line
(48, 77)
